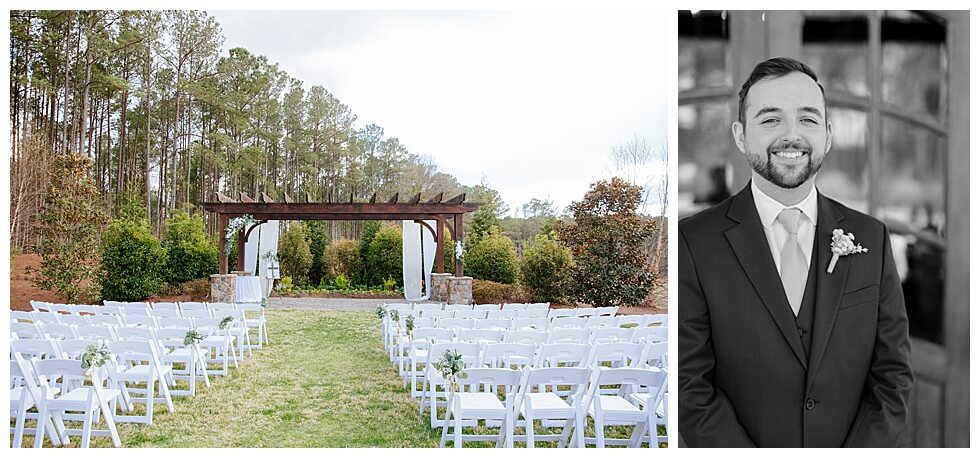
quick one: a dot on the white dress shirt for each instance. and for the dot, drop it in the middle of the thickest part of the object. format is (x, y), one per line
(776, 234)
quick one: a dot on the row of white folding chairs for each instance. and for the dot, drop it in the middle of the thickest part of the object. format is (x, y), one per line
(403, 307)
(253, 316)
(392, 330)
(237, 333)
(531, 393)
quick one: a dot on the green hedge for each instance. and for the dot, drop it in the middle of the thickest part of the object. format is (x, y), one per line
(294, 254)
(133, 261)
(493, 258)
(544, 269)
(190, 255)
(384, 256)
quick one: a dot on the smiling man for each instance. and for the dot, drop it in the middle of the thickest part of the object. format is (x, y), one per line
(786, 341)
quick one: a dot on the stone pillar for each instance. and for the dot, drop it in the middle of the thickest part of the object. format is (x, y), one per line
(223, 288)
(460, 290)
(440, 287)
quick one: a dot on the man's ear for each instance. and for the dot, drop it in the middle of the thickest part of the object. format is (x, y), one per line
(738, 133)
(830, 137)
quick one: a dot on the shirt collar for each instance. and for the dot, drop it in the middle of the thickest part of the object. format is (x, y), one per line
(770, 208)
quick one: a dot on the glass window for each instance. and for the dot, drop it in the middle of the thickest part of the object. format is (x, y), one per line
(844, 174)
(704, 143)
(912, 203)
(835, 45)
(913, 63)
(703, 58)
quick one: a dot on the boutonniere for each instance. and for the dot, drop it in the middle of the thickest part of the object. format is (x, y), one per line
(842, 245)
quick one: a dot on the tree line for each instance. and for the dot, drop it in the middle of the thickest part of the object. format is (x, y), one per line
(167, 119)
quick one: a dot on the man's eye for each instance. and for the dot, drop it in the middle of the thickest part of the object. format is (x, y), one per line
(809, 121)
(769, 121)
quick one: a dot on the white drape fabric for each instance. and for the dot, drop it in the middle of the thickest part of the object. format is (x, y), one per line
(418, 250)
(268, 243)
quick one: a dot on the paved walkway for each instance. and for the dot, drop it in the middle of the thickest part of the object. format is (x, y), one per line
(320, 303)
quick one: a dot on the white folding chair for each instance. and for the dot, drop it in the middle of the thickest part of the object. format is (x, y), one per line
(418, 353)
(573, 335)
(493, 323)
(35, 349)
(20, 316)
(190, 356)
(62, 309)
(455, 323)
(140, 320)
(481, 402)
(25, 393)
(607, 311)
(539, 306)
(165, 313)
(191, 305)
(586, 312)
(57, 331)
(136, 362)
(196, 313)
(533, 313)
(135, 308)
(568, 322)
(507, 355)
(632, 321)
(75, 396)
(75, 320)
(85, 309)
(255, 319)
(649, 334)
(174, 322)
(432, 380)
(471, 314)
(435, 313)
(654, 355)
(616, 409)
(47, 318)
(487, 307)
(513, 307)
(659, 319)
(25, 331)
(540, 323)
(615, 354)
(96, 332)
(508, 314)
(481, 336)
(610, 334)
(567, 354)
(542, 404)
(106, 320)
(75, 348)
(458, 307)
(421, 307)
(598, 321)
(561, 313)
(527, 336)
(40, 306)
(218, 344)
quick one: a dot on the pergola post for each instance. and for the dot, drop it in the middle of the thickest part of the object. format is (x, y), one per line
(440, 258)
(458, 229)
(240, 264)
(222, 257)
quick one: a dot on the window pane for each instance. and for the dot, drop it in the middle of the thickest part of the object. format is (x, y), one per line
(913, 203)
(704, 143)
(913, 63)
(703, 58)
(844, 174)
(835, 45)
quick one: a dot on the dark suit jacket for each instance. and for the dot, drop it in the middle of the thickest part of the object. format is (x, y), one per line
(744, 378)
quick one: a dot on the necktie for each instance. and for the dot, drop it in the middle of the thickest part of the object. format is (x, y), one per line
(792, 263)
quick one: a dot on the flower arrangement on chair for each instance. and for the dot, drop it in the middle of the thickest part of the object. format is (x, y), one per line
(193, 337)
(225, 322)
(94, 357)
(450, 366)
(409, 325)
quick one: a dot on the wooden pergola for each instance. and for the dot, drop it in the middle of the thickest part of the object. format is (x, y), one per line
(447, 214)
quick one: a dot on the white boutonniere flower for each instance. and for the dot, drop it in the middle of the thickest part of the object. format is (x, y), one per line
(842, 245)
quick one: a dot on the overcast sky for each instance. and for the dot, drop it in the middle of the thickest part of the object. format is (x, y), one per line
(533, 101)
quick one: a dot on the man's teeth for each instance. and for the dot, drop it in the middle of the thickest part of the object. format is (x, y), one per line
(789, 154)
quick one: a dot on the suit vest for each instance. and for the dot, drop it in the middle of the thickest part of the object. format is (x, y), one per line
(804, 319)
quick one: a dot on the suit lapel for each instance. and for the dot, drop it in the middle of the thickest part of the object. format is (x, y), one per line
(830, 287)
(748, 241)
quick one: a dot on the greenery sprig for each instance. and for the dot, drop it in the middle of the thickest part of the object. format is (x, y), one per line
(381, 311)
(450, 366)
(224, 322)
(95, 356)
(193, 337)
(234, 226)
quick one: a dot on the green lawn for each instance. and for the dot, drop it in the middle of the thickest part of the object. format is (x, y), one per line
(324, 382)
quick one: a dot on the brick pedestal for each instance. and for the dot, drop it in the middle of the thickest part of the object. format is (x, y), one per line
(460, 290)
(440, 287)
(223, 288)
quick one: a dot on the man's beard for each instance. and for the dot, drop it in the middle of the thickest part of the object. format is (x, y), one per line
(782, 178)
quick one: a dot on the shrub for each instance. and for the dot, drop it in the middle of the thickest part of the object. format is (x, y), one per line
(493, 258)
(384, 256)
(367, 235)
(133, 261)
(606, 241)
(544, 269)
(189, 253)
(342, 282)
(342, 257)
(71, 221)
(198, 289)
(317, 238)
(294, 254)
(489, 292)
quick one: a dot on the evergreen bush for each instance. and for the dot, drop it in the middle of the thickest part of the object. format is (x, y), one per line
(133, 261)
(384, 256)
(294, 254)
(544, 269)
(190, 255)
(493, 258)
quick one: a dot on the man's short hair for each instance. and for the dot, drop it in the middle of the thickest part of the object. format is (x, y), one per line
(774, 68)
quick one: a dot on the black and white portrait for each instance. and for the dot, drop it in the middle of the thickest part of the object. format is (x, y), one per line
(823, 298)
